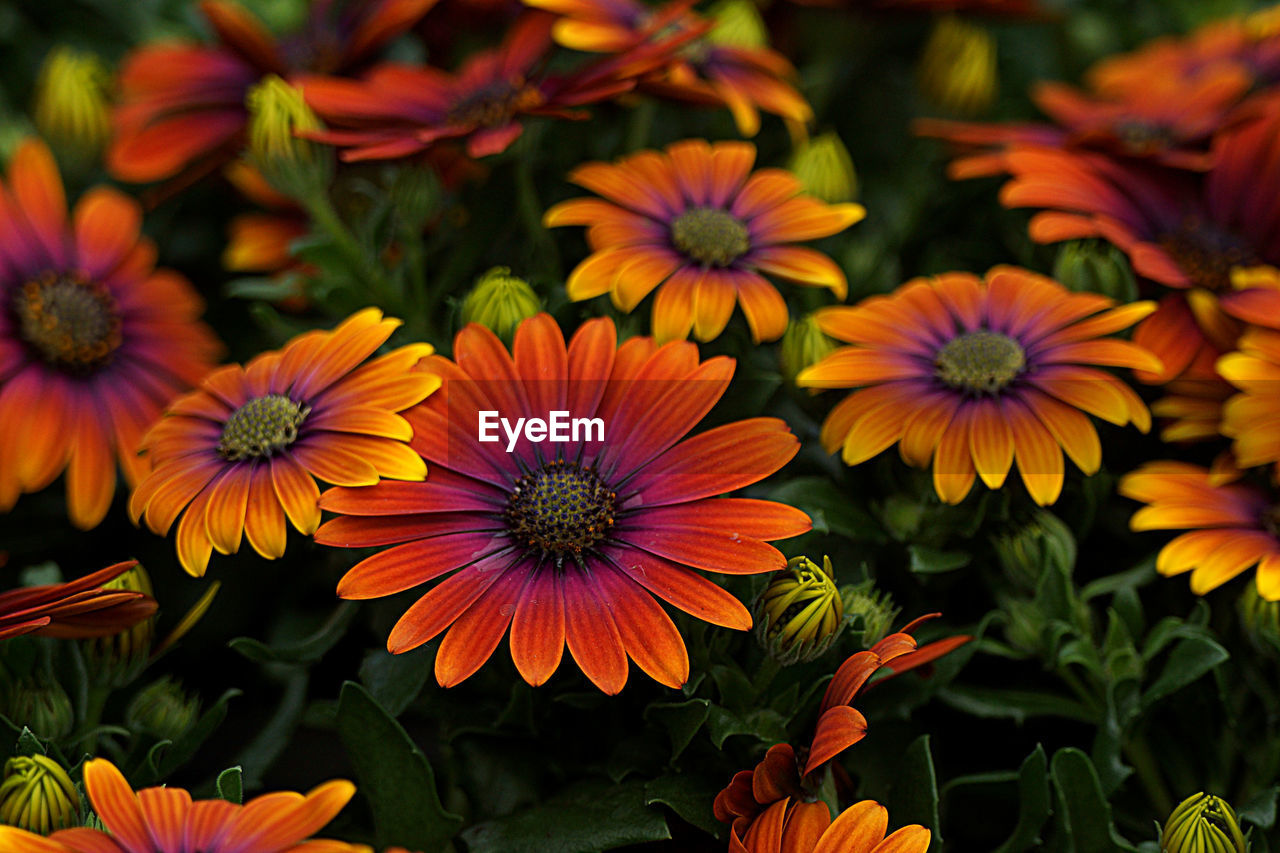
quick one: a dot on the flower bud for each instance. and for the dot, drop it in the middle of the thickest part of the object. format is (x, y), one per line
(803, 345)
(958, 67)
(825, 168)
(72, 105)
(868, 607)
(1026, 550)
(1202, 823)
(1260, 620)
(500, 302)
(41, 704)
(277, 111)
(163, 710)
(37, 795)
(800, 613)
(1087, 266)
(115, 660)
(737, 24)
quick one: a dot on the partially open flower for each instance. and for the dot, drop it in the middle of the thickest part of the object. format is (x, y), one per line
(1202, 823)
(37, 795)
(800, 612)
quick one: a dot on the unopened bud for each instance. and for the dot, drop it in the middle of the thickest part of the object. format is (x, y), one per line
(1202, 823)
(800, 613)
(72, 106)
(737, 24)
(500, 302)
(41, 704)
(803, 345)
(37, 795)
(115, 660)
(870, 611)
(825, 168)
(958, 67)
(1027, 549)
(163, 710)
(1090, 267)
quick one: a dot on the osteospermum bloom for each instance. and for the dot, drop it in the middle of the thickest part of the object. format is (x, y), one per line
(799, 827)
(1233, 526)
(94, 341)
(975, 374)
(80, 608)
(1249, 416)
(167, 820)
(568, 542)
(242, 452)
(184, 106)
(696, 223)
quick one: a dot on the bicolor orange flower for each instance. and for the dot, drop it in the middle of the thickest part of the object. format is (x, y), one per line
(567, 543)
(183, 107)
(745, 79)
(975, 374)
(1192, 404)
(94, 340)
(167, 820)
(807, 827)
(1214, 240)
(242, 452)
(1249, 417)
(1233, 526)
(398, 110)
(696, 223)
(78, 608)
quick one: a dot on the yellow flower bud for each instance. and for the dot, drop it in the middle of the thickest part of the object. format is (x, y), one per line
(163, 709)
(825, 169)
(958, 68)
(293, 166)
(500, 301)
(800, 613)
(37, 795)
(737, 24)
(72, 104)
(116, 660)
(1202, 823)
(803, 345)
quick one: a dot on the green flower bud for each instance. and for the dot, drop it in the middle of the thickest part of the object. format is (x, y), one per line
(72, 107)
(800, 613)
(803, 345)
(116, 660)
(500, 302)
(37, 795)
(294, 166)
(1202, 823)
(1260, 620)
(1095, 267)
(1025, 551)
(39, 703)
(871, 610)
(737, 24)
(958, 67)
(163, 710)
(825, 169)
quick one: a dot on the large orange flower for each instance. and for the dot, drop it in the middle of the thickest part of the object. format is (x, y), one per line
(242, 452)
(975, 374)
(94, 341)
(800, 827)
(695, 222)
(167, 820)
(78, 608)
(1233, 526)
(568, 542)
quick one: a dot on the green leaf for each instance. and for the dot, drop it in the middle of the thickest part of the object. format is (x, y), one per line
(395, 681)
(1033, 804)
(230, 785)
(28, 744)
(1083, 812)
(1012, 703)
(585, 818)
(166, 757)
(689, 797)
(307, 650)
(681, 720)
(393, 775)
(1261, 809)
(924, 560)
(830, 508)
(1191, 658)
(765, 725)
(914, 798)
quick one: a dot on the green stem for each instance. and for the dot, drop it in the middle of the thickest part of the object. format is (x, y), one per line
(641, 124)
(768, 671)
(1082, 692)
(546, 255)
(95, 704)
(323, 214)
(1138, 751)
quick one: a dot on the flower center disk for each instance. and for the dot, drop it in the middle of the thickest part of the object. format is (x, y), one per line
(261, 427)
(1207, 254)
(710, 236)
(981, 361)
(67, 322)
(561, 508)
(495, 104)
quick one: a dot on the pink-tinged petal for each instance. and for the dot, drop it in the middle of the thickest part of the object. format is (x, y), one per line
(592, 635)
(537, 629)
(649, 635)
(446, 601)
(406, 566)
(749, 517)
(682, 588)
(37, 189)
(476, 633)
(713, 551)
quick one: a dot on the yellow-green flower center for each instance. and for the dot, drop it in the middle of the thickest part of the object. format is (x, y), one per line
(261, 427)
(562, 508)
(710, 236)
(67, 322)
(980, 362)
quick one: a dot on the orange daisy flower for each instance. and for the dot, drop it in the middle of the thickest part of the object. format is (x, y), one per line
(242, 452)
(1233, 526)
(1250, 416)
(977, 373)
(183, 106)
(568, 542)
(1192, 404)
(78, 608)
(94, 341)
(695, 222)
(167, 820)
(800, 827)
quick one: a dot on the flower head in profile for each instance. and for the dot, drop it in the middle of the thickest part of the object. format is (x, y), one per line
(1203, 822)
(1232, 526)
(977, 374)
(695, 223)
(242, 453)
(567, 542)
(84, 607)
(184, 107)
(167, 820)
(94, 340)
